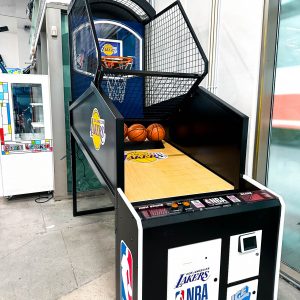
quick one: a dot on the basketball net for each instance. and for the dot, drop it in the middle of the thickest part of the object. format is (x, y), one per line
(116, 86)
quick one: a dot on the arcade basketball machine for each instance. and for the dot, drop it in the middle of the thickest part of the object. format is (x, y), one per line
(189, 224)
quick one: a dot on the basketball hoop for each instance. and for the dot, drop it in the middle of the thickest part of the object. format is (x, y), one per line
(117, 62)
(116, 86)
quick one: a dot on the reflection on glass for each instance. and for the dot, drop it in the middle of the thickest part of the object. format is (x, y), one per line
(84, 56)
(284, 159)
(28, 111)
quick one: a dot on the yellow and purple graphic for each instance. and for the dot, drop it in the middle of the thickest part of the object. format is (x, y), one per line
(145, 157)
(111, 47)
(97, 130)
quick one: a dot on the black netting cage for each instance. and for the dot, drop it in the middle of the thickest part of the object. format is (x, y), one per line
(171, 61)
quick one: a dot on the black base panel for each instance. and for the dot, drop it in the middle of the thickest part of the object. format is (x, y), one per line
(157, 240)
(129, 146)
(127, 231)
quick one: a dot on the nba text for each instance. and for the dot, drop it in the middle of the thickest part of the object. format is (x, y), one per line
(198, 292)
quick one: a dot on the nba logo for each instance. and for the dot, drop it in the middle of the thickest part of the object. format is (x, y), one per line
(126, 273)
(179, 295)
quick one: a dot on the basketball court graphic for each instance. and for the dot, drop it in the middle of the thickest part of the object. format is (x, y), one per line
(145, 157)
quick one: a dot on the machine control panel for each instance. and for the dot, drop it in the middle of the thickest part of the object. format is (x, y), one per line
(217, 201)
(168, 208)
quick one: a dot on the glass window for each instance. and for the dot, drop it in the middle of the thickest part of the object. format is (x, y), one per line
(84, 51)
(28, 111)
(284, 157)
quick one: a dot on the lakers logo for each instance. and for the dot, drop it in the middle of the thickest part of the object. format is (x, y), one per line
(108, 49)
(97, 130)
(144, 157)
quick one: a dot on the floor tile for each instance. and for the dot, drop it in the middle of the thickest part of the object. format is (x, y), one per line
(102, 288)
(47, 254)
(287, 291)
(16, 212)
(14, 237)
(63, 219)
(39, 270)
(91, 249)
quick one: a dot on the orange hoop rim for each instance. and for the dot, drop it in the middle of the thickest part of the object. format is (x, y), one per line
(117, 58)
(113, 61)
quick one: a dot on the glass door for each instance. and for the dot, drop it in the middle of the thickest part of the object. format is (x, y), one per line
(284, 153)
(28, 111)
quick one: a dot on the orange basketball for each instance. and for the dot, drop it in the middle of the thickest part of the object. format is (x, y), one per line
(125, 130)
(156, 132)
(137, 133)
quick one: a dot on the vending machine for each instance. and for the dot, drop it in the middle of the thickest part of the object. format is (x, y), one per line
(26, 135)
(189, 224)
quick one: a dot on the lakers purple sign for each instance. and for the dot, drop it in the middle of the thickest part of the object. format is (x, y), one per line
(201, 275)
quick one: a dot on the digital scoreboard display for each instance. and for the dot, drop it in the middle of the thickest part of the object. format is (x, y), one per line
(193, 205)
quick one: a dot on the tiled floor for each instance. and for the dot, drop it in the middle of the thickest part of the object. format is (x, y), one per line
(46, 254)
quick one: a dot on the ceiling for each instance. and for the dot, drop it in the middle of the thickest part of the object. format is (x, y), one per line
(13, 14)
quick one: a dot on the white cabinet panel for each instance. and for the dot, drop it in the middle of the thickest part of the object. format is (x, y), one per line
(194, 271)
(244, 260)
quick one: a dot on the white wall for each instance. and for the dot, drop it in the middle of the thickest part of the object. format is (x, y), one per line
(199, 14)
(240, 35)
(23, 47)
(237, 54)
(9, 42)
(14, 44)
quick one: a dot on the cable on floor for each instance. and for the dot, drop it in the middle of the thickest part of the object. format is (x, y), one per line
(40, 197)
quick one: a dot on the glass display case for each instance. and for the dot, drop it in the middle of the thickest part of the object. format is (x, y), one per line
(28, 111)
(25, 135)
